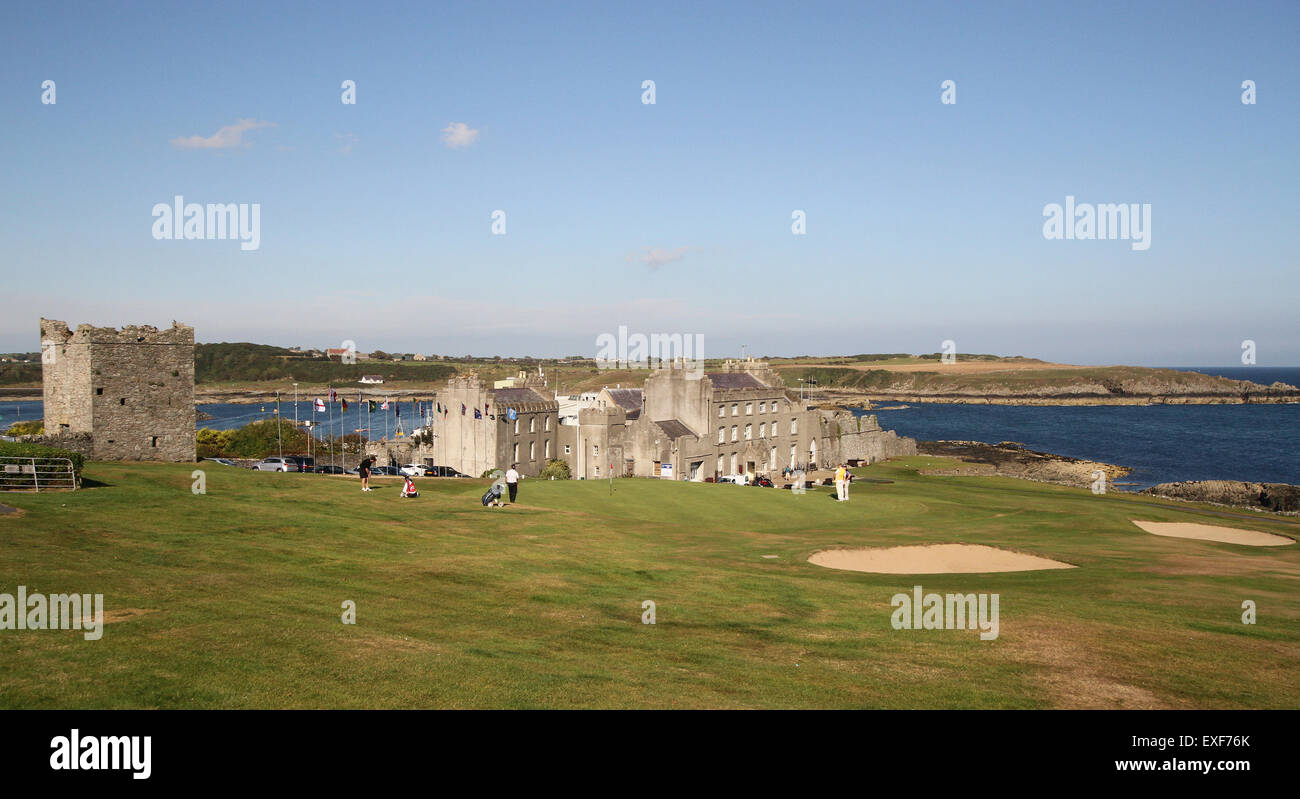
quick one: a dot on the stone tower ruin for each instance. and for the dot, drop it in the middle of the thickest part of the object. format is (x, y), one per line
(132, 389)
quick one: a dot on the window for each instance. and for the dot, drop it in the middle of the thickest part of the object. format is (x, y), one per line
(595, 450)
(547, 425)
(516, 452)
(762, 429)
(154, 442)
(548, 449)
(733, 433)
(122, 401)
(771, 459)
(532, 424)
(532, 450)
(568, 449)
(720, 464)
(794, 427)
(516, 425)
(735, 410)
(722, 411)
(762, 407)
(722, 434)
(749, 409)
(749, 432)
(99, 392)
(733, 463)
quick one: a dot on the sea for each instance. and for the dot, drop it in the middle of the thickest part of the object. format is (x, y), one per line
(1160, 443)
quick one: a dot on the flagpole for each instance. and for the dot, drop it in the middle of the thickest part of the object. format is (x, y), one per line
(331, 427)
(279, 442)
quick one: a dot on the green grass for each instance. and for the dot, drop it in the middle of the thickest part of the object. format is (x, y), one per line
(232, 599)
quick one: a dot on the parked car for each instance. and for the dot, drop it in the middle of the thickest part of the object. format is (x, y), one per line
(222, 461)
(384, 471)
(444, 471)
(734, 479)
(305, 464)
(328, 469)
(416, 470)
(276, 465)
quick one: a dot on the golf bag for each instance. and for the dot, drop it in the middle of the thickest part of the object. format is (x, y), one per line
(493, 495)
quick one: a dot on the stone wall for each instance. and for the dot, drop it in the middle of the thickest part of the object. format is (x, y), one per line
(131, 389)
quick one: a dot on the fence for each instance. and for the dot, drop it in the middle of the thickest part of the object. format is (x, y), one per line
(37, 474)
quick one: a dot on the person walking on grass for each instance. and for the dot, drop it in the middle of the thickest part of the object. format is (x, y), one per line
(512, 482)
(841, 483)
(363, 470)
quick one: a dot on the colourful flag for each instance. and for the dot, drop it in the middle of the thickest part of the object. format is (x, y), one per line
(345, 405)
(333, 395)
(371, 406)
(510, 414)
(320, 405)
(384, 407)
(477, 414)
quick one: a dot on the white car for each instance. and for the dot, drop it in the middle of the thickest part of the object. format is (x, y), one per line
(734, 479)
(276, 465)
(414, 470)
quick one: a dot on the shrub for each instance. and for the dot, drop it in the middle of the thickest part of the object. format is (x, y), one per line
(555, 468)
(34, 427)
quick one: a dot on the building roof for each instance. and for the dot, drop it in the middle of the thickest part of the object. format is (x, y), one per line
(674, 428)
(734, 380)
(518, 396)
(629, 399)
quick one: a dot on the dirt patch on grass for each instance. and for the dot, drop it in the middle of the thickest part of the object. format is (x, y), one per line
(1071, 672)
(933, 559)
(125, 614)
(1210, 532)
(7, 512)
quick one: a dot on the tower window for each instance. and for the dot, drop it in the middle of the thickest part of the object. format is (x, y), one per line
(99, 392)
(122, 401)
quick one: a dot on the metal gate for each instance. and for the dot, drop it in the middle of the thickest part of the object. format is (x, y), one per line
(37, 474)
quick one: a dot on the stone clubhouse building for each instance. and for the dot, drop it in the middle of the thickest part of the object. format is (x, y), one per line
(681, 424)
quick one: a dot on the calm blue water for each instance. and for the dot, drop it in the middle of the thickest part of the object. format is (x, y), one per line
(1161, 443)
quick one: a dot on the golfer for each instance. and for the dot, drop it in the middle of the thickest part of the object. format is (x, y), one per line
(512, 482)
(842, 483)
(363, 470)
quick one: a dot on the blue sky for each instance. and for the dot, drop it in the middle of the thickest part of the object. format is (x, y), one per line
(924, 220)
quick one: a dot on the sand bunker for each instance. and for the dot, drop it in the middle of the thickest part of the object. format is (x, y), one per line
(933, 559)
(1210, 532)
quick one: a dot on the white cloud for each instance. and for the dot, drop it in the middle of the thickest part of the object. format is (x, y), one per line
(655, 257)
(458, 135)
(227, 137)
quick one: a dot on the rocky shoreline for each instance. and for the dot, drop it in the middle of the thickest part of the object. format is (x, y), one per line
(1274, 497)
(1010, 459)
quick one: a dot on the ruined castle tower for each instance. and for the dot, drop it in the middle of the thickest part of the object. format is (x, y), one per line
(132, 389)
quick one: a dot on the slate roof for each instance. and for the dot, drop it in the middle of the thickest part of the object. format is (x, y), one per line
(674, 429)
(518, 396)
(728, 381)
(629, 399)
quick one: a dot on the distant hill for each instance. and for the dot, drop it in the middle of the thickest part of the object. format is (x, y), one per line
(243, 362)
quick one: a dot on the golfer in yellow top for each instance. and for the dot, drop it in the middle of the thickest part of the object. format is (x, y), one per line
(841, 483)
